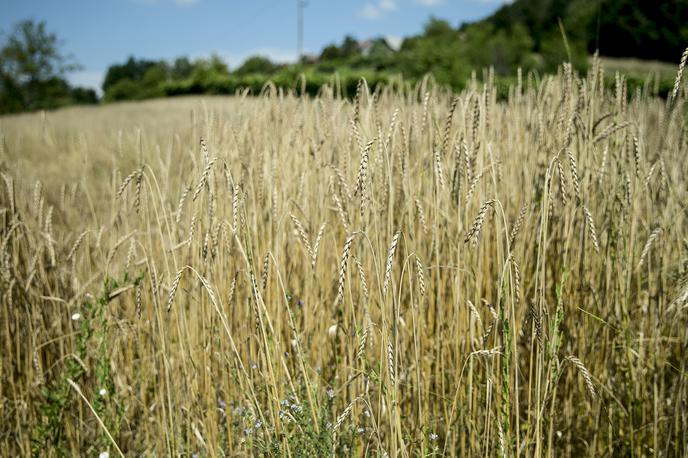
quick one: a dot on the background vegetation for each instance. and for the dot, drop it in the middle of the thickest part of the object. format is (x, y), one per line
(526, 34)
(32, 72)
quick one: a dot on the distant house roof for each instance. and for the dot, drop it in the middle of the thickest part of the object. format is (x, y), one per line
(374, 45)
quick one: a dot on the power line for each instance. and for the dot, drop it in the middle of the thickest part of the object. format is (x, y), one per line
(300, 4)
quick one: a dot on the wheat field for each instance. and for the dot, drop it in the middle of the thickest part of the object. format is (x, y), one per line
(409, 273)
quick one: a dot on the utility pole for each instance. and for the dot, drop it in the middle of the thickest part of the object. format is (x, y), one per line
(299, 28)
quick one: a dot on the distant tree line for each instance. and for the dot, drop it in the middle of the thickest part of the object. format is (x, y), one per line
(646, 29)
(32, 72)
(534, 35)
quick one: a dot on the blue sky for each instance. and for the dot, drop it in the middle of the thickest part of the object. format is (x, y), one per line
(98, 33)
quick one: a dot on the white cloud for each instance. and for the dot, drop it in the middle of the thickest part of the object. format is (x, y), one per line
(370, 11)
(91, 80)
(394, 41)
(431, 2)
(388, 5)
(279, 56)
(180, 3)
(376, 10)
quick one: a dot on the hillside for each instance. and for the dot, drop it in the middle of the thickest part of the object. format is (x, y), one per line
(645, 29)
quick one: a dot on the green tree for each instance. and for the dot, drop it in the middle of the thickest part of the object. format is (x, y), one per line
(181, 69)
(648, 29)
(257, 64)
(32, 70)
(347, 50)
(133, 69)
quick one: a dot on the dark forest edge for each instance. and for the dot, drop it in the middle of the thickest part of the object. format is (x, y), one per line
(531, 35)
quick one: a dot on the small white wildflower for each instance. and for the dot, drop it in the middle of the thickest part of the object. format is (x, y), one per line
(103, 454)
(433, 437)
(366, 413)
(330, 393)
(76, 317)
(296, 408)
(360, 430)
(102, 392)
(258, 424)
(254, 366)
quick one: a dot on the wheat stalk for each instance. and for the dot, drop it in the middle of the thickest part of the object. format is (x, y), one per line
(316, 244)
(591, 228)
(474, 312)
(636, 156)
(574, 174)
(364, 337)
(302, 233)
(650, 241)
(421, 277)
(438, 168)
(126, 182)
(679, 76)
(474, 232)
(390, 257)
(362, 277)
(204, 179)
(390, 363)
(517, 225)
(562, 183)
(342, 268)
(585, 373)
(344, 415)
(421, 215)
(448, 124)
(173, 288)
(76, 244)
